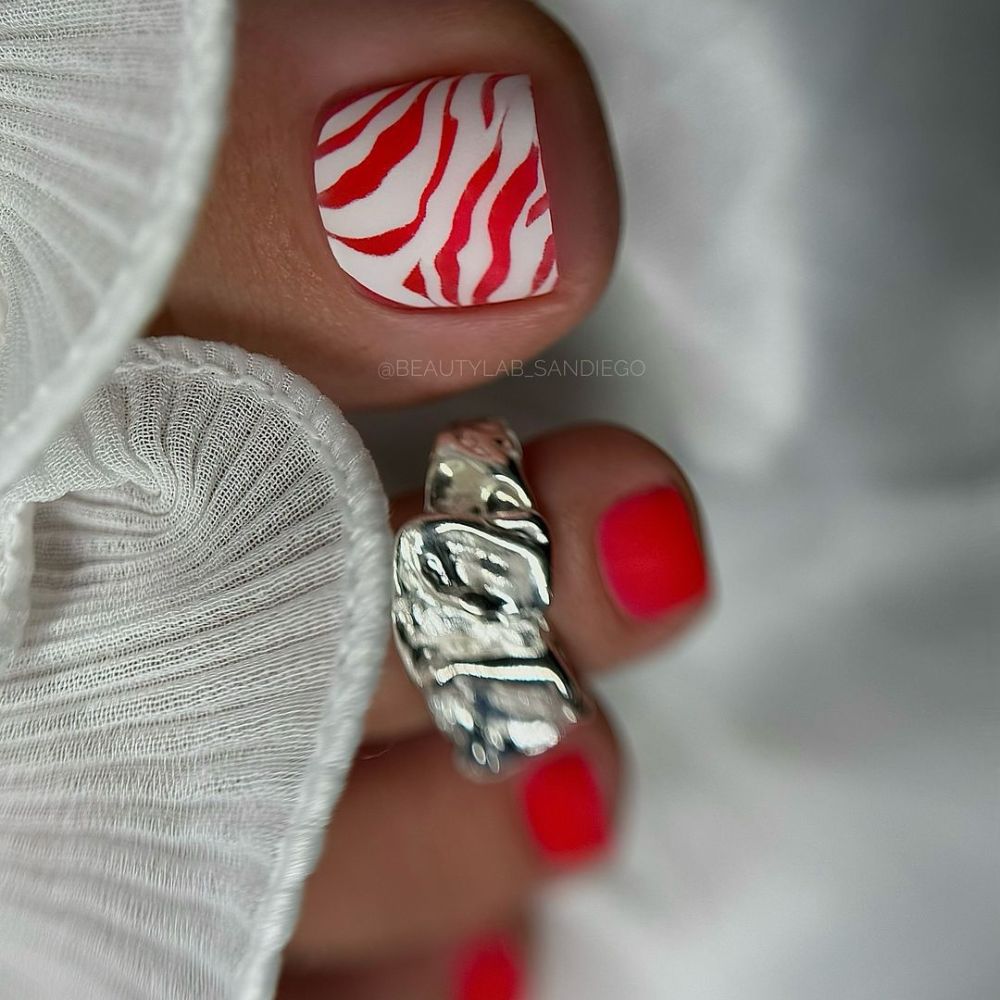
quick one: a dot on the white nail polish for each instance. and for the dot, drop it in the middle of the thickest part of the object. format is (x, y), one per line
(432, 194)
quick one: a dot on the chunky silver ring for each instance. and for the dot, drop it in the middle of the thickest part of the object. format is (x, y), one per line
(472, 582)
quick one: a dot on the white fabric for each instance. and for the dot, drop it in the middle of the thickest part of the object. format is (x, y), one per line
(109, 114)
(193, 606)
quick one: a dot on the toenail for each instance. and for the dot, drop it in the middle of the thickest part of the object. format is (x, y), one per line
(432, 194)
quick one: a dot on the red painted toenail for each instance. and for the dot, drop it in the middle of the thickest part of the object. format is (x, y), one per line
(565, 809)
(650, 553)
(489, 969)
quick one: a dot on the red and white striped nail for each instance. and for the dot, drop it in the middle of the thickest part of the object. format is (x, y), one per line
(432, 194)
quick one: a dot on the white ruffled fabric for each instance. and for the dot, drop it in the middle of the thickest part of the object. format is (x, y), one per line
(109, 115)
(193, 556)
(192, 605)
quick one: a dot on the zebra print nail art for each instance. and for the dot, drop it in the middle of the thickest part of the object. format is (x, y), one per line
(432, 194)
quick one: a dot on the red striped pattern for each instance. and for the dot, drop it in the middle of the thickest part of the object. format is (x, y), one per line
(433, 193)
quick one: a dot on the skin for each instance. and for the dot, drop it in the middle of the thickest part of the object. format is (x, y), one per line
(401, 884)
(259, 272)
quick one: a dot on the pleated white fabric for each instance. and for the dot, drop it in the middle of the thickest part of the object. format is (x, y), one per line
(109, 115)
(193, 597)
(193, 577)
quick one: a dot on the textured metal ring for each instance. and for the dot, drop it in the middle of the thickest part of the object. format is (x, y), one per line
(471, 578)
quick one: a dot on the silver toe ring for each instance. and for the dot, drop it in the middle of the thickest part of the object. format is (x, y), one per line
(472, 583)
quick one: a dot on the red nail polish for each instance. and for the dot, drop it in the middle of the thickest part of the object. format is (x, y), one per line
(565, 809)
(488, 969)
(650, 553)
